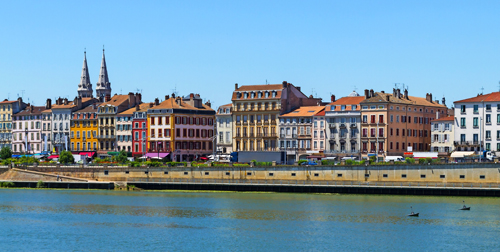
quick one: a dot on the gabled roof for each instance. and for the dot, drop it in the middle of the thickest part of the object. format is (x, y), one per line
(6, 101)
(256, 89)
(491, 97)
(171, 103)
(131, 111)
(444, 119)
(347, 101)
(304, 111)
(116, 100)
(37, 110)
(88, 109)
(227, 105)
(412, 100)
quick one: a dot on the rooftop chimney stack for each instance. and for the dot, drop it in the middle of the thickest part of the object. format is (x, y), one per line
(333, 98)
(208, 103)
(406, 94)
(372, 94)
(443, 101)
(285, 84)
(107, 98)
(235, 87)
(167, 97)
(157, 102)
(48, 105)
(367, 94)
(173, 94)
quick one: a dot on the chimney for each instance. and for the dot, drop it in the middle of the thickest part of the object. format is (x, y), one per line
(191, 96)
(137, 107)
(285, 84)
(48, 105)
(157, 102)
(208, 103)
(372, 94)
(131, 100)
(367, 94)
(333, 98)
(235, 88)
(444, 101)
(173, 94)
(398, 93)
(436, 101)
(298, 88)
(394, 93)
(107, 98)
(138, 98)
(406, 94)
(150, 104)
(388, 97)
(383, 92)
(430, 97)
(65, 101)
(178, 101)
(167, 97)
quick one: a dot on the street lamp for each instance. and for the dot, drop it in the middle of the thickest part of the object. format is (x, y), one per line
(26, 135)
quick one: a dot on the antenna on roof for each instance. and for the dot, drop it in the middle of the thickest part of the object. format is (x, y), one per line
(499, 86)
(22, 93)
(355, 88)
(266, 81)
(482, 90)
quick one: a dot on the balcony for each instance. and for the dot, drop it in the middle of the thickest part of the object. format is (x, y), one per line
(331, 125)
(353, 125)
(343, 126)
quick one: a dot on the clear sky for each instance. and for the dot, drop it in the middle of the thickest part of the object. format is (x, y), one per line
(448, 48)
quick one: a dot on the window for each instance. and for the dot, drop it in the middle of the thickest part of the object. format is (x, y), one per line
(249, 173)
(462, 176)
(228, 173)
(126, 172)
(207, 173)
(488, 107)
(339, 175)
(482, 176)
(367, 175)
(475, 122)
(165, 172)
(476, 109)
(185, 173)
(385, 175)
(293, 174)
(462, 122)
(271, 174)
(422, 175)
(403, 175)
(106, 172)
(462, 109)
(442, 176)
(316, 174)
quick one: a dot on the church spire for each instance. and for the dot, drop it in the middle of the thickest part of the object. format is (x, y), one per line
(85, 87)
(103, 85)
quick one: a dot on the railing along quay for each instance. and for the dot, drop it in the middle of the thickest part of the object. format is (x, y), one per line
(320, 183)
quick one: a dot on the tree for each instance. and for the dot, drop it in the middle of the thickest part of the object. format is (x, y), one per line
(122, 157)
(5, 153)
(66, 157)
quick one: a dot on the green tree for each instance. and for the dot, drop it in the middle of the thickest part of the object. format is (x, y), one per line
(5, 153)
(66, 157)
(122, 157)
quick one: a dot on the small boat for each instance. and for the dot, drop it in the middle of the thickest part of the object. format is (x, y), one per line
(412, 214)
(464, 207)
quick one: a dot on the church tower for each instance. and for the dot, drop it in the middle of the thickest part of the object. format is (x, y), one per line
(103, 86)
(85, 87)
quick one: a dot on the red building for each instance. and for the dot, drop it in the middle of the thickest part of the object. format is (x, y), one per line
(140, 131)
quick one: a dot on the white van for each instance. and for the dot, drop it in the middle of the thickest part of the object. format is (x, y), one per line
(394, 158)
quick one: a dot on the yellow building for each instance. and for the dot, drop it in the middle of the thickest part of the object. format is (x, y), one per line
(7, 109)
(84, 130)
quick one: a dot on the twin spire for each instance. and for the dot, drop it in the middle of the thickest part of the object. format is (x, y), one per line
(103, 85)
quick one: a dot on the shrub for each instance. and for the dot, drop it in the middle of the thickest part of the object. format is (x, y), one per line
(121, 157)
(66, 158)
(302, 161)
(349, 162)
(5, 153)
(409, 160)
(429, 160)
(40, 184)
(6, 184)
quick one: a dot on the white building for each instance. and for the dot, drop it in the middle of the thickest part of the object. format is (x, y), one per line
(225, 129)
(343, 117)
(477, 123)
(442, 135)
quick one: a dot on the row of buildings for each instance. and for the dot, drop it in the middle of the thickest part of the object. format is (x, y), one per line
(180, 128)
(271, 117)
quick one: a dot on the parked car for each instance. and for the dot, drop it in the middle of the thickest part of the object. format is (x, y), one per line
(309, 163)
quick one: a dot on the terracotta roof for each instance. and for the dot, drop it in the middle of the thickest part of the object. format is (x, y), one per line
(171, 103)
(347, 101)
(227, 105)
(447, 119)
(321, 113)
(5, 101)
(256, 88)
(62, 106)
(37, 110)
(145, 108)
(304, 111)
(130, 111)
(491, 97)
(116, 100)
(412, 100)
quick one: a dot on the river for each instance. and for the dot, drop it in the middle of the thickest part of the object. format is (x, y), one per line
(81, 220)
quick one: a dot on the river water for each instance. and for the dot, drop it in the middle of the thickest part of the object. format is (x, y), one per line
(80, 220)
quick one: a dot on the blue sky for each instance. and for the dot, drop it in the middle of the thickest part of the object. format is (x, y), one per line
(448, 48)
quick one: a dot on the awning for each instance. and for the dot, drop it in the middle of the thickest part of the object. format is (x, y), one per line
(88, 154)
(113, 153)
(320, 157)
(15, 156)
(161, 155)
(461, 154)
(53, 156)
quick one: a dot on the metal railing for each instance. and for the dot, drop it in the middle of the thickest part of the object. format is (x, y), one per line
(338, 183)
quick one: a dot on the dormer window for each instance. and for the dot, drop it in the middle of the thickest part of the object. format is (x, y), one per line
(252, 95)
(245, 95)
(267, 94)
(260, 95)
(274, 93)
(238, 95)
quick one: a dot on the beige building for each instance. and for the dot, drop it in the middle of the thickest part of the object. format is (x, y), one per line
(442, 138)
(256, 109)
